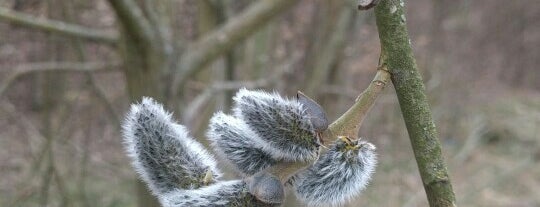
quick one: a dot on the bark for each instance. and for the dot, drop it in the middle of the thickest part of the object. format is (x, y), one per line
(398, 57)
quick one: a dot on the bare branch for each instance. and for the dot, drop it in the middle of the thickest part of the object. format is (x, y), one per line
(158, 18)
(25, 69)
(102, 99)
(211, 46)
(195, 106)
(331, 50)
(58, 27)
(198, 102)
(131, 17)
(29, 128)
(398, 56)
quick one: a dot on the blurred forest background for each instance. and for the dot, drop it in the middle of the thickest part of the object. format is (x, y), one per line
(62, 98)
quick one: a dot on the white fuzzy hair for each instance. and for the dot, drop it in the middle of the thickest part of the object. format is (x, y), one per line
(338, 176)
(232, 139)
(162, 152)
(219, 194)
(222, 194)
(284, 128)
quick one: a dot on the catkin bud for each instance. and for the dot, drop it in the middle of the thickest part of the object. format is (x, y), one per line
(163, 153)
(284, 127)
(339, 174)
(315, 112)
(233, 139)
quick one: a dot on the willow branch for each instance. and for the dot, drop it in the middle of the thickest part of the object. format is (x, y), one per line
(26, 69)
(398, 56)
(349, 123)
(346, 125)
(214, 44)
(58, 27)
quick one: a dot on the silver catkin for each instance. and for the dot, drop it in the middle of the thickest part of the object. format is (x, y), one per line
(339, 175)
(162, 152)
(283, 125)
(233, 139)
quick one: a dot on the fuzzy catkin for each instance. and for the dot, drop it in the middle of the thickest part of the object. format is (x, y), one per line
(339, 175)
(233, 139)
(222, 194)
(283, 125)
(163, 153)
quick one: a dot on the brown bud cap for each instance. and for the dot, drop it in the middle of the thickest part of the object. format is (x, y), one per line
(266, 188)
(315, 111)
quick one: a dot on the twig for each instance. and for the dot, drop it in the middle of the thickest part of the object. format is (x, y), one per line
(102, 99)
(58, 27)
(28, 127)
(25, 69)
(212, 45)
(349, 123)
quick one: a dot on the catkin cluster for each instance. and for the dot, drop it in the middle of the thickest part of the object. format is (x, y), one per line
(264, 130)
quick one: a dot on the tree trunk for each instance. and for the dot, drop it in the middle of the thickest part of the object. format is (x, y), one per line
(145, 60)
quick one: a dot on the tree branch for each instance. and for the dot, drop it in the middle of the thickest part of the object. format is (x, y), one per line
(58, 27)
(25, 69)
(398, 57)
(195, 106)
(349, 123)
(331, 50)
(211, 46)
(132, 19)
